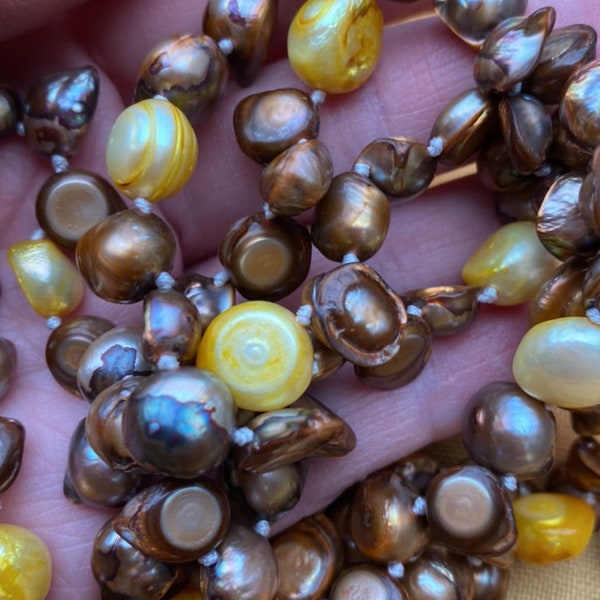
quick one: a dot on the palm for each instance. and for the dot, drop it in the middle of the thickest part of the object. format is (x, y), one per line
(428, 241)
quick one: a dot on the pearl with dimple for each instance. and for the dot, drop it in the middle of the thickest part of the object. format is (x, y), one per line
(557, 362)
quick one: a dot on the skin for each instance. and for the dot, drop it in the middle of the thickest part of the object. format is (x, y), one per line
(429, 238)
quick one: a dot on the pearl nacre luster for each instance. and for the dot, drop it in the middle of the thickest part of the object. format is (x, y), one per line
(151, 150)
(334, 45)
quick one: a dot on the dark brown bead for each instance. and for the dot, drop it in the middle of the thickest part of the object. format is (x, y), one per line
(110, 357)
(326, 360)
(589, 193)
(400, 167)
(509, 432)
(171, 328)
(469, 511)
(8, 365)
(66, 345)
(472, 20)
(189, 70)
(306, 428)
(464, 125)
(58, 109)
(119, 568)
(367, 581)
(565, 50)
(406, 364)
(71, 202)
(121, 257)
(179, 422)
(268, 123)
(297, 179)
(418, 469)
(89, 480)
(309, 555)
(565, 149)
(511, 51)
(357, 314)
(527, 129)
(173, 521)
(497, 172)
(10, 109)
(590, 292)
(249, 25)
(12, 442)
(582, 467)
(383, 522)
(586, 421)
(490, 581)
(268, 258)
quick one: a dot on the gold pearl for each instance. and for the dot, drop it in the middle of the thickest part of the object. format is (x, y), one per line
(334, 45)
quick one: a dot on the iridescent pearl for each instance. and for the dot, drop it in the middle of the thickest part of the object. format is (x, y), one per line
(512, 261)
(25, 564)
(49, 281)
(551, 527)
(557, 362)
(261, 352)
(151, 150)
(334, 45)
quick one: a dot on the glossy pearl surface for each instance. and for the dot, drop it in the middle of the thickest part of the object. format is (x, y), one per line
(151, 151)
(12, 441)
(334, 45)
(512, 261)
(49, 281)
(261, 352)
(557, 362)
(25, 564)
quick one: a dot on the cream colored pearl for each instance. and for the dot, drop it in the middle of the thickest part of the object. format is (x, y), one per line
(558, 362)
(512, 261)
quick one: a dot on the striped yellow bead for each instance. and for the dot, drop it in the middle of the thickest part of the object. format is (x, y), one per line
(261, 352)
(151, 150)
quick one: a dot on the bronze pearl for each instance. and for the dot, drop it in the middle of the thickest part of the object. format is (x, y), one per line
(12, 442)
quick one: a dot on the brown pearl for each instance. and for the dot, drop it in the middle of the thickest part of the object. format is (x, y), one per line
(189, 70)
(507, 431)
(121, 569)
(406, 364)
(121, 256)
(512, 50)
(58, 109)
(366, 581)
(249, 26)
(418, 469)
(383, 522)
(66, 345)
(306, 428)
(589, 193)
(90, 481)
(469, 511)
(565, 50)
(464, 125)
(309, 555)
(352, 219)
(490, 581)
(296, 179)
(590, 291)
(110, 357)
(8, 365)
(561, 295)
(12, 442)
(565, 149)
(174, 521)
(326, 361)
(208, 298)
(356, 313)
(179, 422)
(267, 258)
(582, 467)
(267, 123)
(586, 421)
(71, 202)
(472, 20)
(497, 172)
(527, 129)
(171, 328)
(10, 109)
(399, 167)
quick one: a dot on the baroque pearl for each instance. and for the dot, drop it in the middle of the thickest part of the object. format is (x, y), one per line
(557, 362)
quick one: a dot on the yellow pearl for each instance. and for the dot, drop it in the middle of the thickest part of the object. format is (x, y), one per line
(151, 150)
(334, 45)
(551, 527)
(512, 261)
(25, 565)
(50, 282)
(557, 362)
(261, 352)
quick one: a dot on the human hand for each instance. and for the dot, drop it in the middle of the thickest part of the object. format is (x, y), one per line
(423, 66)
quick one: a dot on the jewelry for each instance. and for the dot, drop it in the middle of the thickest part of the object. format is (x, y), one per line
(164, 524)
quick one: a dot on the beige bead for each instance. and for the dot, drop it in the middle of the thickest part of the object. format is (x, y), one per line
(557, 362)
